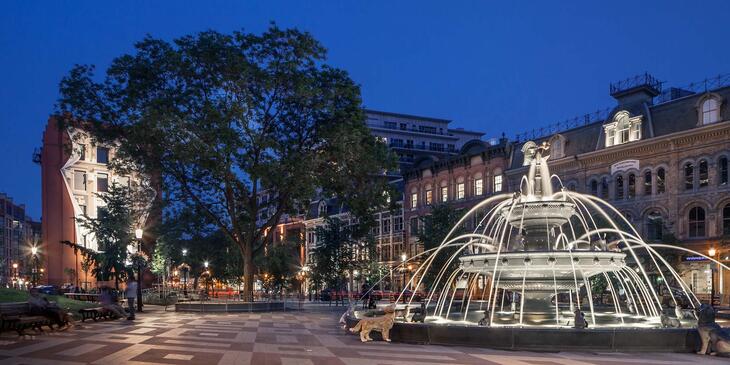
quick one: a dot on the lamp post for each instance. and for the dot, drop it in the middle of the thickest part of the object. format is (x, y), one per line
(185, 274)
(34, 277)
(712, 253)
(207, 278)
(138, 234)
(403, 258)
(15, 274)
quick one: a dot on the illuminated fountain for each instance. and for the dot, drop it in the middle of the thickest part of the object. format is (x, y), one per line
(539, 250)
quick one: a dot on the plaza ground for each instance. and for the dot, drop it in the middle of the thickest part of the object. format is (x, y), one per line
(310, 336)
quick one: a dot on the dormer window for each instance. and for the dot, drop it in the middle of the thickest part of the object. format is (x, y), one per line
(557, 147)
(710, 111)
(622, 129)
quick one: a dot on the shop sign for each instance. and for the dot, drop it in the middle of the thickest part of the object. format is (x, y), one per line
(695, 258)
(624, 165)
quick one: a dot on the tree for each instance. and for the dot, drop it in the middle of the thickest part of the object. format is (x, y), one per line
(224, 117)
(113, 230)
(332, 258)
(278, 267)
(436, 226)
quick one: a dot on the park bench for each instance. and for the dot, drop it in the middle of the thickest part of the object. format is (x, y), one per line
(17, 316)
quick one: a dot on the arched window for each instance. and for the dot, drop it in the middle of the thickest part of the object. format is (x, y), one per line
(696, 222)
(623, 131)
(722, 170)
(604, 188)
(619, 193)
(689, 176)
(704, 175)
(322, 211)
(710, 111)
(726, 220)
(632, 186)
(660, 185)
(654, 226)
(594, 187)
(556, 148)
(647, 183)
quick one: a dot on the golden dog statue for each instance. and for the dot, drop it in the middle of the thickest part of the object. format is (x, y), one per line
(380, 324)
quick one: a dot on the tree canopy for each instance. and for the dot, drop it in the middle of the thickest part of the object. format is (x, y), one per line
(223, 118)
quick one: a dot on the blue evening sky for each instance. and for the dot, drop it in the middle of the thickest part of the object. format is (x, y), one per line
(494, 66)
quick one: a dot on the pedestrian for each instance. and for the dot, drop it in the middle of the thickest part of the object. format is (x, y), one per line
(109, 303)
(131, 296)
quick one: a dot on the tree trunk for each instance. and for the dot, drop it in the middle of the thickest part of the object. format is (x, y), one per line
(247, 273)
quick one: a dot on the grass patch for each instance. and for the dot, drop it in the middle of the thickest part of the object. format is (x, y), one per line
(73, 306)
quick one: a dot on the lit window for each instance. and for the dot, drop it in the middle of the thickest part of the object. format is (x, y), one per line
(710, 111)
(610, 137)
(635, 132)
(102, 183)
(696, 222)
(80, 180)
(429, 197)
(414, 200)
(623, 132)
(497, 183)
(460, 191)
(478, 187)
(444, 194)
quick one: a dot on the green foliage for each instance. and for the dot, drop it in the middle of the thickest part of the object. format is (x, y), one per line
(222, 117)
(436, 226)
(114, 233)
(337, 253)
(13, 295)
(278, 267)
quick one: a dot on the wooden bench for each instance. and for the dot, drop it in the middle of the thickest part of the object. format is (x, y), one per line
(16, 316)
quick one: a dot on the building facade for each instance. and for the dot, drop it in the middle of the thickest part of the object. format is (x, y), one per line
(74, 170)
(663, 165)
(18, 235)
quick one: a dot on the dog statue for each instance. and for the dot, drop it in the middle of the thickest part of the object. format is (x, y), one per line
(713, 337)
(420, 316)
(669, 322)
(486, 320)
(380, 324)
(579, 320)
(343, 318)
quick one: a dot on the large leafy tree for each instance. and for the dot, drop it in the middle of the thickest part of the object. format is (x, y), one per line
(221, 118)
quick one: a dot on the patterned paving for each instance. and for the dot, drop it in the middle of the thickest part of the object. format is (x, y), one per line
(308, 337)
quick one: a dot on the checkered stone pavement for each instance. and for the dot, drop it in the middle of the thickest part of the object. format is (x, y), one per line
(312, 336)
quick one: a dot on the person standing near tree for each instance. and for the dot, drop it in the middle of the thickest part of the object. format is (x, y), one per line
(131, 294)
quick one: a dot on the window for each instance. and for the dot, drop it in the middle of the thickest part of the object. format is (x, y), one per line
(397, 224)
(722, 170)
(478, 187)
(619, 193)
(497, 183)
(556, 148)
(460, 191)
(704, 175)
(726, 220)
(654, 226)
(82, 152)
(594, 187)
(623, 131)
(647, 183)
(660, 186)
(610, 137)
(444, 194)
(322, 210)
(414, 200)
(604, 188)
(635, 132)
(689, 175)
(386, 225)
(83, 209)
(429, 197)
(696, 222)
(102, 183)
(80, 180)
(710, 111)
(632, 186)
(102, 155)
(414, 226)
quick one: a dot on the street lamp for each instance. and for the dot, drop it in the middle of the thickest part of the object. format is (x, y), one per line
(138, 233)
(15, 273)
(712, 253)
(34, 253)
(207, 277)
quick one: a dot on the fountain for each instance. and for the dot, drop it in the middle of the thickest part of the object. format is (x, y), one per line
(524, 275)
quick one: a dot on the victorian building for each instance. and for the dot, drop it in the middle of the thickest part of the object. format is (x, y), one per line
(661, 158)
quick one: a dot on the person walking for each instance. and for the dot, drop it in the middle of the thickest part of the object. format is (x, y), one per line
(131, 296)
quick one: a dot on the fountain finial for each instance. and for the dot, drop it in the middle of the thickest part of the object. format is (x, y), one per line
(538, 176)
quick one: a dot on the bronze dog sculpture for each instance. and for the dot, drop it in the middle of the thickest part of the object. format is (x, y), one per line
(713, 337)
(380, 324)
